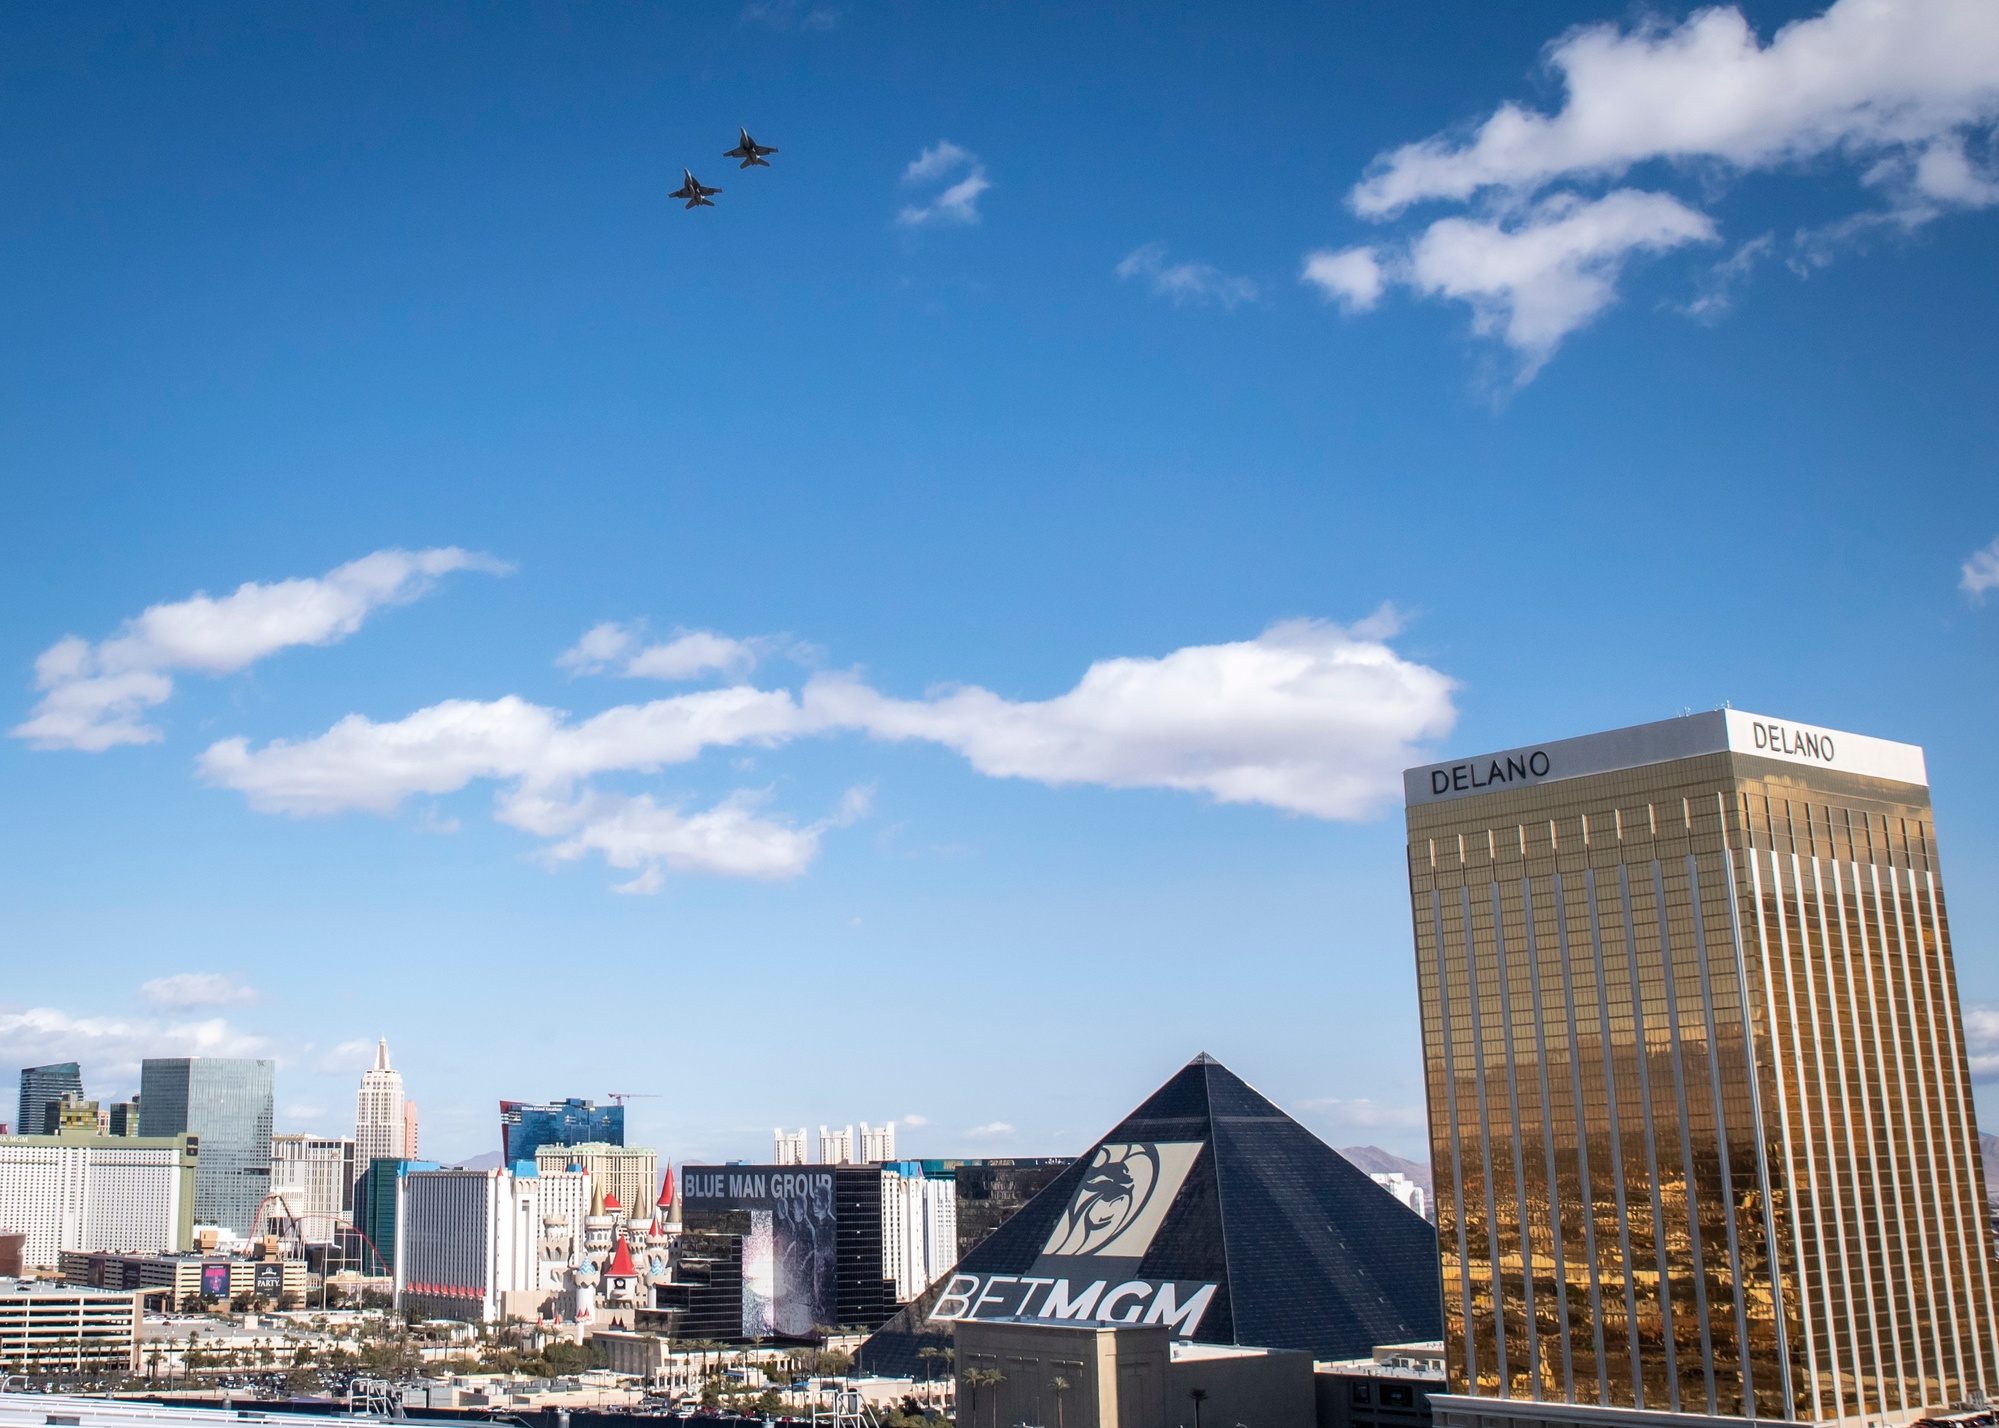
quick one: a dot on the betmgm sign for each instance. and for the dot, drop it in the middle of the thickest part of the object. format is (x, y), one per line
(1087, 1272)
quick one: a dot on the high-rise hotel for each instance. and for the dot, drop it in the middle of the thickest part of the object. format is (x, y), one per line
(1700, 1107)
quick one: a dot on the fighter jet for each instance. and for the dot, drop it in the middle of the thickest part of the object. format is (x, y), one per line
(694, 191)
(749, 151)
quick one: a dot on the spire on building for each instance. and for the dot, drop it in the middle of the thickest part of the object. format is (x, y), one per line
(621, 1261)
(665, 1200)
(382, 1054)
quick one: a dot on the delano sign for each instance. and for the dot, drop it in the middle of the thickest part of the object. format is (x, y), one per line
(1087, 1271)
(1718, 731)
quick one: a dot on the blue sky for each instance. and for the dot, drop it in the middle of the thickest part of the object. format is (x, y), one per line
(1018, 536)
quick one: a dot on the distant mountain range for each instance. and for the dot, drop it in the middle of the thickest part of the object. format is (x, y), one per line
(1376, 1161)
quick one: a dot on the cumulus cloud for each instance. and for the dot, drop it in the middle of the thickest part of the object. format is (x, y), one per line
(1534, 280)
(1185, 282)
(1903, 93)
(197, 989)
(1981, 1040)
(688, 655)
(1352, 277)
(918, 1121)
(1980, 573)
(958, 203)
(112, 1047)
(95, 696)
(991, 1130)
(1310, 717)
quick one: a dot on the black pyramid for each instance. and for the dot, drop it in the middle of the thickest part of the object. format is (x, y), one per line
(1304, 1250)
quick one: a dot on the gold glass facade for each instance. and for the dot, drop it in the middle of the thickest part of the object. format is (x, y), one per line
(1700, 1108)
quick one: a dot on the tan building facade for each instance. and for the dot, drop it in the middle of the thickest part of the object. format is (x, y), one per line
(1700, 1107)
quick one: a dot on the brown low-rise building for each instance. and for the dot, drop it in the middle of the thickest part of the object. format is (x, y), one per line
(1113, 1376)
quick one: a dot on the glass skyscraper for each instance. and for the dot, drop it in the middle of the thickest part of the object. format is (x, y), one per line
(42, 1087)
(226, 1103)
(1700, 1107)
(525, 1128)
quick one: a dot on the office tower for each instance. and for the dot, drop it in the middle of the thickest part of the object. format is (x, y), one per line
(788, 1147)
(92, 1193)
(41, 1086)
(877, 1143)
(526, 1127)
(313, 1176)
(1700, 1108)
(375, 1201)
(379, 1128)
(1402, 1188)
(225, 1103)
(409, 1130)
(123, 1119)
(70, 1114)
(836, 1147)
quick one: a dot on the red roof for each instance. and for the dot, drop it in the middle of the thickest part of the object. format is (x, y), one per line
(621, 1261)
(611, 1203)
(665, 1200)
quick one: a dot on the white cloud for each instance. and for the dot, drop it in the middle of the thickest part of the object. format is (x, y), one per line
(688, 655)
(95, 696)
(110, 1047)
(959, 202)
(916, 1120)
(1185, 282)
(1309, 717)
(1981, 573)
(991, 1130)
(1535, 280)
(1981, 1037)
(1352, 277)
(1895, 80)
(1361, 1112)
(347, 1058)
(197, 989)
(1897, 91)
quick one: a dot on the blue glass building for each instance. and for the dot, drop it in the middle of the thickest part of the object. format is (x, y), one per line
(526, 1127)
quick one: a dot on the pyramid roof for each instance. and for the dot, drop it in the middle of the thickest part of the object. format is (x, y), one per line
(611, 1203)
(1303, 1249)
(665, 1200)
(621, 1260)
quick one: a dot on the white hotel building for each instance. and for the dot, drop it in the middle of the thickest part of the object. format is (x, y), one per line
(484, 1245)
(96, 1193)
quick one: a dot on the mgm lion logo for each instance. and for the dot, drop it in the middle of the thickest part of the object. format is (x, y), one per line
(1123, 1197)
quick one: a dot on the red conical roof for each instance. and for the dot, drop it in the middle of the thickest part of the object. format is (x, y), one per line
(665, 1200)
(611, 1203)
(621, 1261)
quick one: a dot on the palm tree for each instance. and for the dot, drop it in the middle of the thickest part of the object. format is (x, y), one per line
(1058, 1386)
(978, 1378)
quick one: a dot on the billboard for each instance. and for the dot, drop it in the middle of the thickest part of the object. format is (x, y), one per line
(270, 1279)
(1087, 1271)
(789, 1249)
(215, 1281)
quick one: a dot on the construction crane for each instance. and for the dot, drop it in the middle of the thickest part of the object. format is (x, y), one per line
(623, 1096)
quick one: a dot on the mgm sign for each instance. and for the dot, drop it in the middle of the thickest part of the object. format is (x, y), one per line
(1087, 1272)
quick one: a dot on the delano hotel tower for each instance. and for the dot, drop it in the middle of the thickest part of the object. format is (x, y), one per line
(1700, 1110)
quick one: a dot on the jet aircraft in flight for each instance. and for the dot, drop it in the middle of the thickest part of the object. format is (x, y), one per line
(694, 191)
(749, 151)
